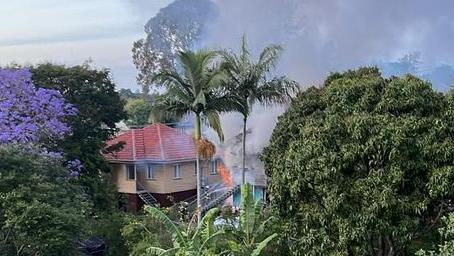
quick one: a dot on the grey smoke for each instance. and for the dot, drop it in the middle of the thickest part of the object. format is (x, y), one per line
(321, 36)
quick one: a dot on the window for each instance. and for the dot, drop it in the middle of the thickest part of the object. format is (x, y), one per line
(177, 171)
(131, 172)
(214, 167)
(150, 172)
(195, 168)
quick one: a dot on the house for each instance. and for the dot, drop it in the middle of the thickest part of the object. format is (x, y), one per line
(157, 162)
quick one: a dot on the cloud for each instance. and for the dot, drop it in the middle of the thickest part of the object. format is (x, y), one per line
(69, 32)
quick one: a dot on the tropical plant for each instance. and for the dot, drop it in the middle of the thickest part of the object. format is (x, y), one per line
(362, 165)
(252, 233)
(193, 241)
(196, 89)
(217, 234)
(251, 82)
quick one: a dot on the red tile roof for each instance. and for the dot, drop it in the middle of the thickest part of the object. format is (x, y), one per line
(154, 143)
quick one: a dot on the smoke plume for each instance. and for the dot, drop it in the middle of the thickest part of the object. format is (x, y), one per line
(320, 36)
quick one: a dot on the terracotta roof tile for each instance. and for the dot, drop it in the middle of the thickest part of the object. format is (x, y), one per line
(154, 143)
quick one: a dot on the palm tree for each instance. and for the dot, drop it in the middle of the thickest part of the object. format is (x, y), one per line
(249, 81)
(197, 89)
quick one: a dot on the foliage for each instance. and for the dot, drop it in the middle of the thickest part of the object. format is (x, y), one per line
(252, 234)
(138, 111)
(30, 114)
(168, 33)
(42, 210)
(126, 94)
(100, 108)
(142, 232)
(196, 89)
(250, 82)
(362, 165)
(198, 241)
(246, 234)
(446, 248)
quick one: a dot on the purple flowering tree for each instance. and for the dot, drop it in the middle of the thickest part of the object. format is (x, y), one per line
(30, 114)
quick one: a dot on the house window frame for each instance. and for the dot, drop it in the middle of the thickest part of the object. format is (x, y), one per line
(150, 170)
(214, 167)
(128, 171)
(177, 172)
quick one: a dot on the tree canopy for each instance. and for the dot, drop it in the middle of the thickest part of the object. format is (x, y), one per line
(175, 28)
(362, 165)
(43, 211)
(93, 93)
(30, 114)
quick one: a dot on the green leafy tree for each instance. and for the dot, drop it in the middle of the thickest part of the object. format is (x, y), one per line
(196, 89)
(100, 108)
(42, 210)
(167, 33)
(93, 93)
(446, 247)
(138, 111)
(252, 83)
(126, 94)
(361, 166)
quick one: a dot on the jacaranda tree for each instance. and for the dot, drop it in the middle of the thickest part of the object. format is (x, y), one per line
(28, 113)
(363, 165)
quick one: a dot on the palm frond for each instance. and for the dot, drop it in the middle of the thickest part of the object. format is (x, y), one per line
(167, 106)
(244, 53)
(279, 90)
(268, 58)
(214, 121)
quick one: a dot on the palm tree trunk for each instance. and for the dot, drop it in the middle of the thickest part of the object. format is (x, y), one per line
(243, 172)
(198, 132)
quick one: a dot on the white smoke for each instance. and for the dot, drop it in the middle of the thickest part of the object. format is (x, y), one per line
(320, 36)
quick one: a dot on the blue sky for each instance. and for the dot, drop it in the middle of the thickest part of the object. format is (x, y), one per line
(70, 32)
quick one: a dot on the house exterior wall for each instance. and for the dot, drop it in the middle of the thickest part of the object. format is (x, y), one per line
(118, 176)
(164, 181)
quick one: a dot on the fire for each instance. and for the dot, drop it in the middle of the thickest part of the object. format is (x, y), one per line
(225, 174)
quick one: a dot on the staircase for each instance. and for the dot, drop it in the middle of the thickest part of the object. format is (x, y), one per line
(220, 199)
(146, 196)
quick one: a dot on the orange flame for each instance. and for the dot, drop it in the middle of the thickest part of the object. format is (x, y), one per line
(225, 174)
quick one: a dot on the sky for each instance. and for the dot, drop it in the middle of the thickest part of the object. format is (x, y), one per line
(71, 32)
